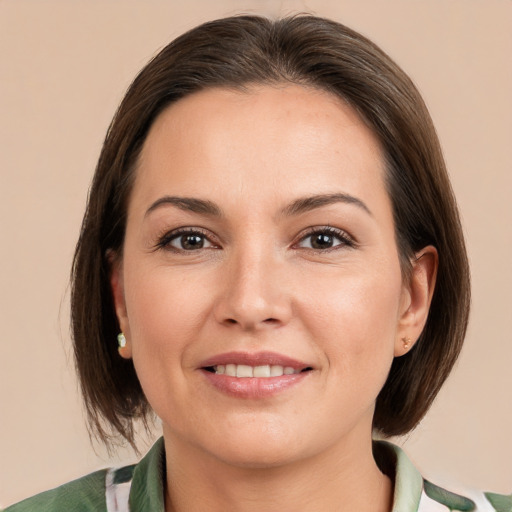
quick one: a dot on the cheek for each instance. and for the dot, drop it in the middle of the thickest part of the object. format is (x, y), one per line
(163, 305)
(354, 320)
(166, 312)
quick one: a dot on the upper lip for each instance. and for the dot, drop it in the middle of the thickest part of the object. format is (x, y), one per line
(255, 359)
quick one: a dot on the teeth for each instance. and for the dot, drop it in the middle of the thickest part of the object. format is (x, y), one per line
(261, 371)
(276, 371)
(244, 370)
(230, 370)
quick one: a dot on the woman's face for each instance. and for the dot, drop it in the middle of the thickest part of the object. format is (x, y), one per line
(260, 289)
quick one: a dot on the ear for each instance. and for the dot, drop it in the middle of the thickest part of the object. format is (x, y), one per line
(416, 298)
(117, 287)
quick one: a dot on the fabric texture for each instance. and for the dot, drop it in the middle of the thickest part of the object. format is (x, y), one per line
(140, 488)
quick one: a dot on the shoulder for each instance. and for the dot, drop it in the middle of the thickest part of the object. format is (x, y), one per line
(139, 487)
(95, 492)
(435, 498)
(415, 494)
(82, 495)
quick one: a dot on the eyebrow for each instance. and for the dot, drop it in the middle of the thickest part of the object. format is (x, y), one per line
(306, 204)
(301, 205)
(189, 204)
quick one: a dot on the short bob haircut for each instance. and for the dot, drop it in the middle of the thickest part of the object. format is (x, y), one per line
(235, 53)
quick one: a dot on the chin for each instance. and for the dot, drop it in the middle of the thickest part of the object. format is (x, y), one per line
(263, 446)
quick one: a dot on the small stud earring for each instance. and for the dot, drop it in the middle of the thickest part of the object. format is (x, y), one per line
(406, 343)
(121, 340)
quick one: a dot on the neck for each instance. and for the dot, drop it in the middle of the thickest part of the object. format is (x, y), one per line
(339, 479)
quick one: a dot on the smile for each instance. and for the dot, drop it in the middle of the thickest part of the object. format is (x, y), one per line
(246, 371)
(254, 376)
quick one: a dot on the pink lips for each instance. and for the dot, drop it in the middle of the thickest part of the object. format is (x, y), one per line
(253, 387)
(257, 359)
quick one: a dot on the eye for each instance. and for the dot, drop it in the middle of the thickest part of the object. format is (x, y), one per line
(185, 240)
(321, 239)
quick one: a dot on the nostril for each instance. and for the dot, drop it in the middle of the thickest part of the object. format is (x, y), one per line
(249, 323)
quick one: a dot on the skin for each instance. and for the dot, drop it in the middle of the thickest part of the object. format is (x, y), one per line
(259, 284)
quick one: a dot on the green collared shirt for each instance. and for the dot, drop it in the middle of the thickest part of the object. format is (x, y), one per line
(140, 488)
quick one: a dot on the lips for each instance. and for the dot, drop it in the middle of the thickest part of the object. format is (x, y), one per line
(256, 359)
(256, 375)
(245, 371)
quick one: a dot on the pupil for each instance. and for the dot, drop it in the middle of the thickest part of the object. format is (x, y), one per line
(191, 242)
(322, 241)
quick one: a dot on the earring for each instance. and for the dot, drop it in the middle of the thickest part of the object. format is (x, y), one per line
(121, 340)
(406, 343)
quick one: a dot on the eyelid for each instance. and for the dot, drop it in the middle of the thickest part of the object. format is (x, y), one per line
(166, 236)
(347, 239)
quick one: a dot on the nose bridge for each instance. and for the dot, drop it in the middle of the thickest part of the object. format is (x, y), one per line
(252, 296)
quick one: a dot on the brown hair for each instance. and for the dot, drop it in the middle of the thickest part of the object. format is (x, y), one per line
(235, 52)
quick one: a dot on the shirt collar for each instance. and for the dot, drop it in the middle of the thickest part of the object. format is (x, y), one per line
(147, 489)
(408, 480)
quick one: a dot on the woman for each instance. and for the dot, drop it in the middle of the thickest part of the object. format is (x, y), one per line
(272, 261)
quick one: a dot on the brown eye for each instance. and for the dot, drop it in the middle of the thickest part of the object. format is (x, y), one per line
(322, 241)
(325, 238)
(190, 242)
(186, 241)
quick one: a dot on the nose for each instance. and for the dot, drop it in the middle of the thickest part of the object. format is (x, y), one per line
(253, 295)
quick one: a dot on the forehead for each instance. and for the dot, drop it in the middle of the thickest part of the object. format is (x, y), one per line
(293, 138)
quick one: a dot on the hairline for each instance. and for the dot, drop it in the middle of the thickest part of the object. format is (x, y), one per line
(405, 253)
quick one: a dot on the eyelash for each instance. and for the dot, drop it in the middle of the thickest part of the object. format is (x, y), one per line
(343, 236)
(164, 241)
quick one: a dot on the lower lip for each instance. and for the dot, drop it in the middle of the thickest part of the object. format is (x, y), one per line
(253, 387)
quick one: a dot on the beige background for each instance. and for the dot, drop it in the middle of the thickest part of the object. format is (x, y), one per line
(63, 68)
